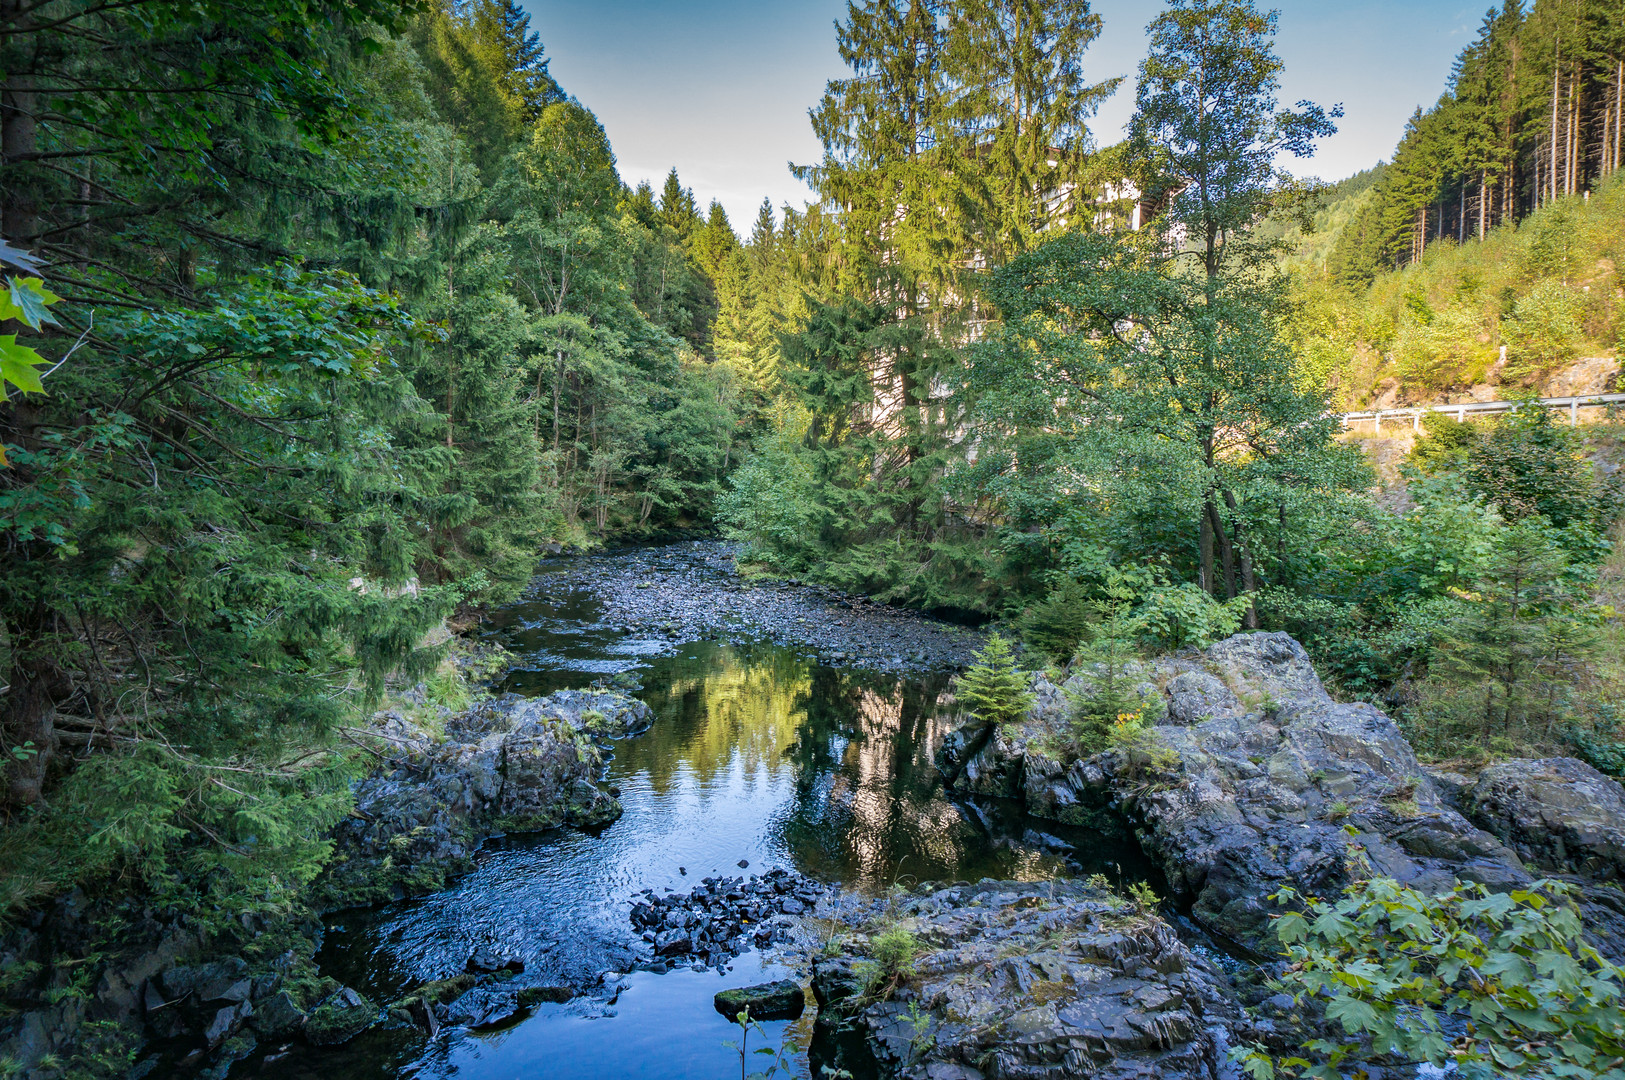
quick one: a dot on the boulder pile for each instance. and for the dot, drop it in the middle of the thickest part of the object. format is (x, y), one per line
(723, 917)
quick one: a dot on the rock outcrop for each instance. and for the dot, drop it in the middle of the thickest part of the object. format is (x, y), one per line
(1559, 814)
(509, 765)
(1265, 778)
(1036, 980)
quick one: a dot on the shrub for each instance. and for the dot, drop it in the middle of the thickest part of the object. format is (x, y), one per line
(1544, 330)
(1176, 616)
(994, 690)
(1061, 622)
(1117, 706)
(1496, 984)
(895, 951)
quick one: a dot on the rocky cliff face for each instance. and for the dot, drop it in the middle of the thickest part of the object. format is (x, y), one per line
(1270, 781)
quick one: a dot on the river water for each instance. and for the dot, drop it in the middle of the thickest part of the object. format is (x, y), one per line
(759, 753)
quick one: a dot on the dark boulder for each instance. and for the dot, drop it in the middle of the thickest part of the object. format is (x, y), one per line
(339, 1018)
(781, 1000)
(1559, 814)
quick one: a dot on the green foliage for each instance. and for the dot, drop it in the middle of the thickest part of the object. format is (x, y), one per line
(894, 951)
(27, 301)
(1118, 706)
(1517, 644)
(1495, 984)
(1544, 330)
(993, 689)
(1057, 625)
(780, 1060)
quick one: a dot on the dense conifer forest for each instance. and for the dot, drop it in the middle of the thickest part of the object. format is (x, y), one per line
(326, 320)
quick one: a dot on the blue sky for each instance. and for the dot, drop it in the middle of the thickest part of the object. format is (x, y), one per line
(721, 88)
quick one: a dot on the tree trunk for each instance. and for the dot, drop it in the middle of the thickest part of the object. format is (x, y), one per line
(1556, 69)
(558, 385)
(1249, 584)
(1204, 570)
(28, 727)
(1227, 551)
(19, 132)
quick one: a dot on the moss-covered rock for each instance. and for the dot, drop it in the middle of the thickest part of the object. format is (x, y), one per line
(340, 1018)
(781, 1000)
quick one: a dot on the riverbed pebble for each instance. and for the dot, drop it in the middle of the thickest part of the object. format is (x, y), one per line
(723, 917)
(691, 591)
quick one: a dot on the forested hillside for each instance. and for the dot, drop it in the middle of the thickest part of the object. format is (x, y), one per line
(1532, 113)
(345, 313)
(1486, 253)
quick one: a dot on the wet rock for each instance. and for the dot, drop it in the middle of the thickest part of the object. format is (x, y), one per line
(1258, 775)
(277, 1015)
(724, 916)
(225, 1023)
(339, 1018)
(483, 1006)
(538, 995)
(781, 1000)
(485, 960)
(1559, 814)
(507, 765)
(1033, 980)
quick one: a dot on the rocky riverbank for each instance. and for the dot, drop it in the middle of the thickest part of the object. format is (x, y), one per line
(1036, 980)
(507, 765)
(1258, 778)
(692, 591)
(200, 1002)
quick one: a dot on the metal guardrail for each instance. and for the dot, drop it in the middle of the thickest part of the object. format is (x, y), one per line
(1462, 410)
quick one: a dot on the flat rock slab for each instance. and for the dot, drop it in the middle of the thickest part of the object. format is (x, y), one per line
(781, 1000)
(1033, 980)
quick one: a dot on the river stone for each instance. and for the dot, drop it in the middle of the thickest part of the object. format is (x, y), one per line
(276, 1015)
(1560, 814)
(485, 960)
(339, 1018)
(1038, 980)
(781, 1000)
(483, 1006)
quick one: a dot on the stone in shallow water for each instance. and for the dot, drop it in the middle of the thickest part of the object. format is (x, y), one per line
(781, 1000)
(485, 960)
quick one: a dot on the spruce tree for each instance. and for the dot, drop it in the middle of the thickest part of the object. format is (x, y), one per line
(993, 689)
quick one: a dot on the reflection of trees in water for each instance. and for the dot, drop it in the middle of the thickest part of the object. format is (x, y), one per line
(871, 804)
(725, 710)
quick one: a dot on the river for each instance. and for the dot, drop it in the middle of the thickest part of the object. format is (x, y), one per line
(761, 753)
